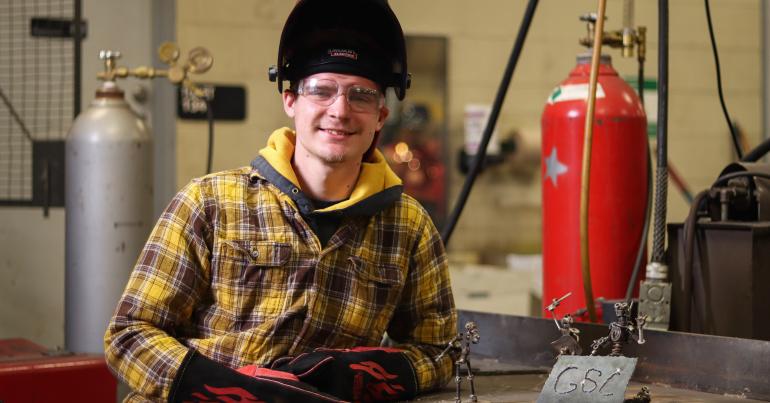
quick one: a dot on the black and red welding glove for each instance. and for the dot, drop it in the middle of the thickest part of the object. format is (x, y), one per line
(361, 374)
(203, 380)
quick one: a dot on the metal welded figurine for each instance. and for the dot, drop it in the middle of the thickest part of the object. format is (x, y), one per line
(621, 331)
(643, 396)
(460, 347)
(568, 342)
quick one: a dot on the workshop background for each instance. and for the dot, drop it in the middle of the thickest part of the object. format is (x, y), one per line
(494, 250)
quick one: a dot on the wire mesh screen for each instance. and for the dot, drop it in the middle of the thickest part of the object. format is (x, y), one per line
(36, 87)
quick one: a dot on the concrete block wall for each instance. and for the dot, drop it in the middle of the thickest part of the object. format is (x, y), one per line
(243, 37)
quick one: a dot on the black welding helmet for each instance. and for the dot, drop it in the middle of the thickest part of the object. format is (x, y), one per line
(358, 37)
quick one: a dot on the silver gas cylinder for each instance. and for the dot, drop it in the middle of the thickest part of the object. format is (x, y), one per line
(109, 186)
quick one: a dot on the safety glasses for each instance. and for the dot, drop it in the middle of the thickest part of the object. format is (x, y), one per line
(325, 92)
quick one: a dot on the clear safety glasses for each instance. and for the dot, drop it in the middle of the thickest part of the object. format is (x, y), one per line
(325, 92)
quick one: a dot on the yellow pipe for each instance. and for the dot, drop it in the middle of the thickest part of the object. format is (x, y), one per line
(586, 171)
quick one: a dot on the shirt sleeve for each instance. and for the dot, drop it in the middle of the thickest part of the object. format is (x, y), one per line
(425, 320)
(169, 279)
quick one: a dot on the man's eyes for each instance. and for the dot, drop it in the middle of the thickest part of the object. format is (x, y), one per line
(322, 91)
(362, 97)
(358, 95)
(362, 94)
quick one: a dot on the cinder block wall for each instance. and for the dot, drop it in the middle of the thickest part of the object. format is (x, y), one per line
(503, 214)
(243, 36)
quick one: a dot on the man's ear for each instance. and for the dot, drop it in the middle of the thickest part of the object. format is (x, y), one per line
(384, 112)
(289, 98)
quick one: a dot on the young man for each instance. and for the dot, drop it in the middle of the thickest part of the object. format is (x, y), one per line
(278, 282)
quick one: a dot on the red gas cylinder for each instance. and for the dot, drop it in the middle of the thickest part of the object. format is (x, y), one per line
(618, 185)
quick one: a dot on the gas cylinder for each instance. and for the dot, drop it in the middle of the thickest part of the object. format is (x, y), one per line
(108, 199)
(618, 185)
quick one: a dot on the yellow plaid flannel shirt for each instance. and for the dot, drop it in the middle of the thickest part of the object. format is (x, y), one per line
(233, 271)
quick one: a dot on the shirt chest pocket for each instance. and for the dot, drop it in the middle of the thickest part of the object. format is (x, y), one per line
(249, 279)
(374, 291)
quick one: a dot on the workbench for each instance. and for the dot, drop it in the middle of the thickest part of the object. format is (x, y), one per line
(514, 357)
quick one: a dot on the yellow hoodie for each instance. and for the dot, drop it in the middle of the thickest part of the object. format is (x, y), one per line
(375, 189)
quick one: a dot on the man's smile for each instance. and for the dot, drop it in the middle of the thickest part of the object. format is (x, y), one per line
(337, 131)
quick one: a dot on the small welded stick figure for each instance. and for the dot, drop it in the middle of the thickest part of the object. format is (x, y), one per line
(643, 396)
(568, 342)
(460, 346)
(621, 331)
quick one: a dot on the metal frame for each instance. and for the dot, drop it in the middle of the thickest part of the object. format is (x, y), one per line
(78, 56)
(38, 200)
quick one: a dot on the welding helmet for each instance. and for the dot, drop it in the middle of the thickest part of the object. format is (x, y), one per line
(357, 37)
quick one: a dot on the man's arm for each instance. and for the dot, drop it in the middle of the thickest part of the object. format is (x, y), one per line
(425, 320)
(167, 282)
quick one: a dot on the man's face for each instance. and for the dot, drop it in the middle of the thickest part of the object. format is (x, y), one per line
(336, 133)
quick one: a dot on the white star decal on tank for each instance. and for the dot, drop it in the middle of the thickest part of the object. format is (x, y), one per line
(554, 168)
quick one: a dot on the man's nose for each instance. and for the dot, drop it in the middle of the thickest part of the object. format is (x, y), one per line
(340, 106)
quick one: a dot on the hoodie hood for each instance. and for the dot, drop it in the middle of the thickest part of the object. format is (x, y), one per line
(377, 186)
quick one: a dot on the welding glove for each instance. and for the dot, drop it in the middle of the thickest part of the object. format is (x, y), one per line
(361, 374)
(202, 380)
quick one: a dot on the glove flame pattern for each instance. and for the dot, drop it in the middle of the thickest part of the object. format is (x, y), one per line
(361, 374)
(203, 380)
